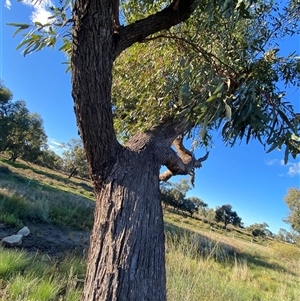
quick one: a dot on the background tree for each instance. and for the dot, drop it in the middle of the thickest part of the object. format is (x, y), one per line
(288, 236)
(188, 206)
(35, 139)
(197, 204)
(224, 214)
(22, 132)
(292, 199)
(49, 159)
(260, 230)
(173, 194)
(74, 159)
(219, 69)
(166, 195)
(210, 217)
(5, 111)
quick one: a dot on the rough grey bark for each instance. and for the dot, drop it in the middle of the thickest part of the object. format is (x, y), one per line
(126, 257)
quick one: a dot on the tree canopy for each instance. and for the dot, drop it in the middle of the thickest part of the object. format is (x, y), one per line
(74, 159)
(174, 195)
(22, 133)
(292, 199)
(220, 69)
(260, 230)
(48, 158)
(226, 215)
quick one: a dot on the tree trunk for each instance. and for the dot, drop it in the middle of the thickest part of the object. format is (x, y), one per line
(126, 258)
(13, 157)
(73, 172)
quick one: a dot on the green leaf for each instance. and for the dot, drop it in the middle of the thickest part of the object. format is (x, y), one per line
(275, 145)
(286, 154)
(211, 98)
(219, 88)
(20, 25)
(203, 131)
(285, 118)
(24, 42)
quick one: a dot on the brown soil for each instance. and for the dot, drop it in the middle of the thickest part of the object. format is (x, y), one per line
(50, 240)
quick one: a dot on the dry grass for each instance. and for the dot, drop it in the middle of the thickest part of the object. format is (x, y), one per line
(26, 196)
(202, 263)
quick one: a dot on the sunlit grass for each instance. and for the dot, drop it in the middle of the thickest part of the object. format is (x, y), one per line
(20, 203)
(27, 277)
(43, 178)
(195, 271)
(11, 262)
(192, 276)
(203, 263)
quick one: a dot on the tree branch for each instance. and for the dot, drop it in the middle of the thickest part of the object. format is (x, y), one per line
(177, 12)
(181, 162)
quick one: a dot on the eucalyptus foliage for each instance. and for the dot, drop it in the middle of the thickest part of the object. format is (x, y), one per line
(22, 133)
(292, 200)
(74, 160)
(221, 73)
(222, 69)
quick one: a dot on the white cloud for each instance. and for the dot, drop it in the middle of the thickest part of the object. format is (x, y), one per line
(7, 4)
(40, 10)
(53, 141)
(294, 169)
(53, 148)
(56, 146)
(272, 162)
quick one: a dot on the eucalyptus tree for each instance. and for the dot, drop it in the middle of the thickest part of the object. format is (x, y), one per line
(74, 159)
(259, 230)
(292, 200)
(199, 204)
(22, 133)
(27, 135)
(288, 236)
(181, 68)
(226, 215)
(48, 158)
(6, 106)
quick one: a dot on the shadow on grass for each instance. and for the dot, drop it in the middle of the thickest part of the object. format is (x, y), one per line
(60, 178)
(220, 251)
(30, 200)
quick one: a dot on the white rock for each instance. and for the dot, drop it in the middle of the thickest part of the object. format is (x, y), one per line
(12, 241)
(24, 231)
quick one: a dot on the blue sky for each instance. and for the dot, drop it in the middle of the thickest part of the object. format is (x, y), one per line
(253, 182)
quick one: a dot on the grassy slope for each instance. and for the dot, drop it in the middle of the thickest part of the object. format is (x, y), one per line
(36, 194)
(201, 264)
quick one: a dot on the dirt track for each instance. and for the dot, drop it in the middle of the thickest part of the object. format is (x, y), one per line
(50, 240)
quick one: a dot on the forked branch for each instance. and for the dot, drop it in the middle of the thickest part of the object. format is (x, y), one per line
(177, 12)
(181, 162)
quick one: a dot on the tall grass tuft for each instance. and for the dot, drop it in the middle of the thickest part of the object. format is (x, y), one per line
(26, 277)
(194, 275)
(11, 262)
(20, 203)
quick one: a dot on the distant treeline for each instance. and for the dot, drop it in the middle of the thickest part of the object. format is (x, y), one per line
(23, 136)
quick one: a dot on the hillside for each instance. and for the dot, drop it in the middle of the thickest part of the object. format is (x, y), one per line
(203, 262)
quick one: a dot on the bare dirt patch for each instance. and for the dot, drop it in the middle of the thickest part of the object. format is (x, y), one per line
(50, 240)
